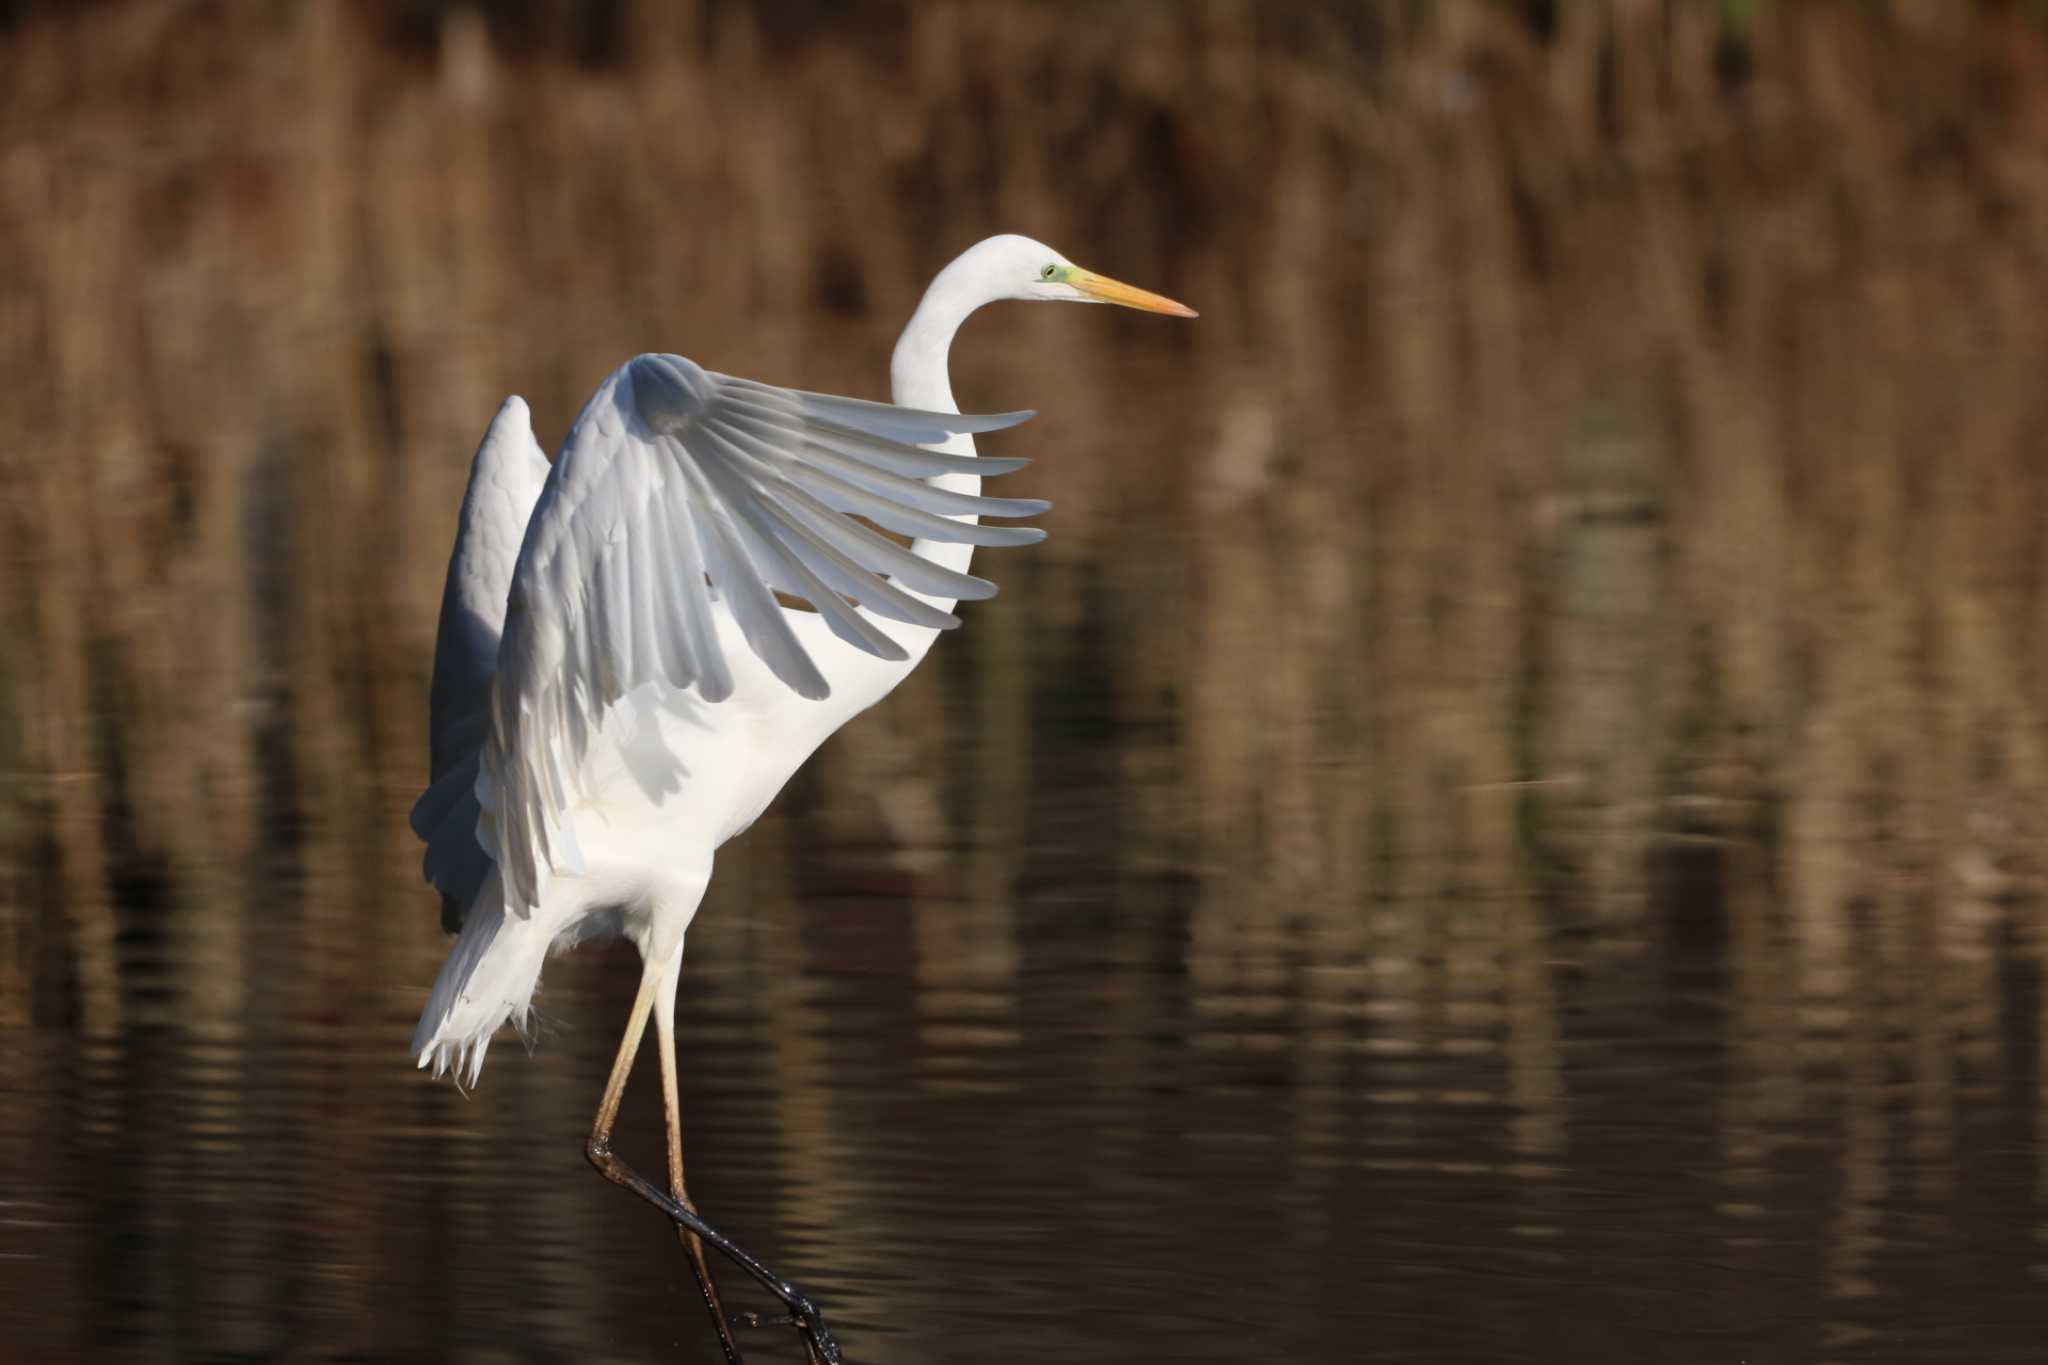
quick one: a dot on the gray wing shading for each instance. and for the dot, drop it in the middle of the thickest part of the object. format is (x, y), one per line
(505, 481)
(677, 488)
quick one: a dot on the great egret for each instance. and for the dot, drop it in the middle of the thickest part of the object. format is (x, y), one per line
(617, 692)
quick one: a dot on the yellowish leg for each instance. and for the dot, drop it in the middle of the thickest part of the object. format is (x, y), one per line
(819, 1345)
(672, 1110)
(600, 1147)
(622, 1066)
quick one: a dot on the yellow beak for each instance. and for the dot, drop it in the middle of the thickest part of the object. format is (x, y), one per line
(1106, 290)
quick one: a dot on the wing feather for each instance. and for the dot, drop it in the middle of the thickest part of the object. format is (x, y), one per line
(783, 570)
(900, 516)
(505, 480)
(784, 567)
(884, 555)
(756, 450)
(844, 574)
(887, 455)
(678, 489)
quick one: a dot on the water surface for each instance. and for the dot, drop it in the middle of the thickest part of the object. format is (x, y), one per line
(1075, 1123)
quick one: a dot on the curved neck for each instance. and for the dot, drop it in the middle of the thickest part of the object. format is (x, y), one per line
(918, 379)
(917, 372)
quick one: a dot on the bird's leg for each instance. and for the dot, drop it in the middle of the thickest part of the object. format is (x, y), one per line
(672, 1110)
(819, 1344)
(622, 1066)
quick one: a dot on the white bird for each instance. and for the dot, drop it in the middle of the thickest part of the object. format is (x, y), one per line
(617, 691)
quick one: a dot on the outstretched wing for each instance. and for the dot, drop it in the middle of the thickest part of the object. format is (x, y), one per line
(505, 481)
(678, 488)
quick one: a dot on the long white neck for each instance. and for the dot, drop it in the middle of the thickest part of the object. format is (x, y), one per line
(918, 379)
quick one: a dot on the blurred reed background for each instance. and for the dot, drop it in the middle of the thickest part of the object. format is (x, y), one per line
(1595, 523)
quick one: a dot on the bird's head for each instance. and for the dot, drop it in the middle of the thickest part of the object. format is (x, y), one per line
(1015, 267)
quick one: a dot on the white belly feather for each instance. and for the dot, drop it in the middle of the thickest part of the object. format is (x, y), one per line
(669, 770)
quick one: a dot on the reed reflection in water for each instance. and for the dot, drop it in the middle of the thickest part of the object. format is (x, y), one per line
(1502, 825)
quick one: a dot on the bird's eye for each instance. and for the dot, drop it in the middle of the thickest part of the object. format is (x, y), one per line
(1046, 273)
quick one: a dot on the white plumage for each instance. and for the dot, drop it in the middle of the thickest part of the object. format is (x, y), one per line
(601, 722)
(617, 691)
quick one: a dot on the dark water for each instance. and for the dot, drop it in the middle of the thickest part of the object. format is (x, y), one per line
(1075, 1123)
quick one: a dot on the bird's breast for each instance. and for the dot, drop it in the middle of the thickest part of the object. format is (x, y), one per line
(669, 765)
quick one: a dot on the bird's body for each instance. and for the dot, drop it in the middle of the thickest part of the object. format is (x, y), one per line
(646, 776)
(616, 691)
(669, 778)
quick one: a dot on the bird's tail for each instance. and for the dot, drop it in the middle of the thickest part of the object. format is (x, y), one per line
(488, 981)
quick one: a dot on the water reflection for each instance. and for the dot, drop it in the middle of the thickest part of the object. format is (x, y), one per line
(1085, 1122)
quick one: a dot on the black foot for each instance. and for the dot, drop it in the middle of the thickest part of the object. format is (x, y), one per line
(803, 1314)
